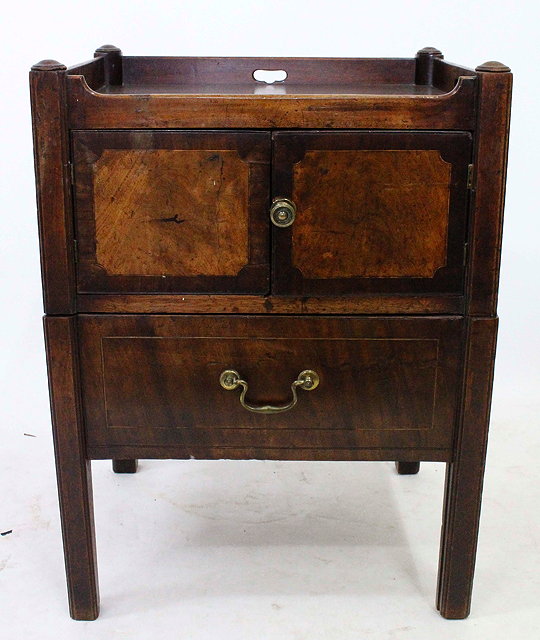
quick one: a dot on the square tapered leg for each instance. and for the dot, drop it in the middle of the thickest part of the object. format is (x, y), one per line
(464, 476)
(72, 468)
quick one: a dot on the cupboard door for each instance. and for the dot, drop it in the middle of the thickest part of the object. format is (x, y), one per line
(376, 212)
(172, 211)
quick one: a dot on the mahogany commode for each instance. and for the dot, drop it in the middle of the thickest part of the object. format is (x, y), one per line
(298, 270)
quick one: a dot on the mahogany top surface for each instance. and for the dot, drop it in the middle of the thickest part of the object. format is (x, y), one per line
(279, 88)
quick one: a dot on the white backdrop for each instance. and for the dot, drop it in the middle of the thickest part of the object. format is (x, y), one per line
(467, 32)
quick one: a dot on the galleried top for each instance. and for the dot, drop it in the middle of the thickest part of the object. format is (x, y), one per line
(424, 92)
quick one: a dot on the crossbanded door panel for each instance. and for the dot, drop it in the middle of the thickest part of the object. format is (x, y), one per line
(172, 211)
(376, 212)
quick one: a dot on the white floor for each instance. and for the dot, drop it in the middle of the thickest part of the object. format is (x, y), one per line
(264, 550)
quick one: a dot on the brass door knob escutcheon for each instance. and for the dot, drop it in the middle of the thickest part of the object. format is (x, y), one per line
(282, 212)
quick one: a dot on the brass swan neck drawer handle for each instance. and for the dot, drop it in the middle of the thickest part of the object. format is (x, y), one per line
(307, 380)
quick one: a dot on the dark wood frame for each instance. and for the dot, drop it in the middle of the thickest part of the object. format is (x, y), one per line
(448, 97)
(51, 159)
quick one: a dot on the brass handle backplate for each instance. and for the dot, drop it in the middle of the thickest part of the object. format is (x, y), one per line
(306, 380)
(282, 212)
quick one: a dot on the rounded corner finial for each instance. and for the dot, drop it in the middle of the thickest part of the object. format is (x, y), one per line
(49, 65)
(108, 48)
(492, 66)
(430, 51)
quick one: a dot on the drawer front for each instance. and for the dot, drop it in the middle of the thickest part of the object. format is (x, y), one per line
(382, 212)
(154, 381)
(172, 211)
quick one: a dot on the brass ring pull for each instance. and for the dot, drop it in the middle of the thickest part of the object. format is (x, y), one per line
(307, 380)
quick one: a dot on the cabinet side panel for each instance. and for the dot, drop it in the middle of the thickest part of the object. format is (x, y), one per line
(47, 91)
(491, 152)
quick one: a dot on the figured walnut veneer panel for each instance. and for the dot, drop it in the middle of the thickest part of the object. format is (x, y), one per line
(171, 212)
(371, 213)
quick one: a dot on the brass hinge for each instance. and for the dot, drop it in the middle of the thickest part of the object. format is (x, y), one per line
(470, 177)
(75, 251)
(465, 253)
(71, 173)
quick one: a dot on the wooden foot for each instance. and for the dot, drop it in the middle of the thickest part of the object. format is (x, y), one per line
(464, 476)
(72, 468)
(407, 468)
(125, 466)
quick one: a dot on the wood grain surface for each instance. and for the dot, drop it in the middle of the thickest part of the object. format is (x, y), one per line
(371, 213)
(405, 108)
(376, 212)
(367, 304)
(171, 212)
(154, 381)
(175, 211)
